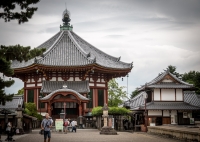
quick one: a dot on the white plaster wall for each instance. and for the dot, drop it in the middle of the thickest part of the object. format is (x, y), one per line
(98, 80)
(30, 85)
(39, 84)
(29, 80)
(154, 112)
(91, 79)
(53, 79)
(179, 94)
(167, 80)
(71, 79)
(60, 79)
(173, 117)
(156, 94)
(166, 113)
(168, 94)
(39, 80)
(101, 85)
(102, 80)
(77, 79)
(91, 84)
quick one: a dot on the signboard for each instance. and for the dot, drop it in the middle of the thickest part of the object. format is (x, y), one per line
(59, 124)
(113, 124)
(185, 115)
(191, 120)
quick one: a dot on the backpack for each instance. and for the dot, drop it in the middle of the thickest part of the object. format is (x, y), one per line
(66, 123)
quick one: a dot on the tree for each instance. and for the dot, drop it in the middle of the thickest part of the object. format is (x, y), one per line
(8, 54)
(31, 109)
(172, 70)
(134, 93)
(115, 93)
(193, 77)
(10, 5)
(20, 92)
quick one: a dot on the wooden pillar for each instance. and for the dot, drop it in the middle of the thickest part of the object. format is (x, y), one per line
(49, 109)
(80, 109)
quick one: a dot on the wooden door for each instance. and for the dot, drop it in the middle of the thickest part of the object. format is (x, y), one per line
(166, 120)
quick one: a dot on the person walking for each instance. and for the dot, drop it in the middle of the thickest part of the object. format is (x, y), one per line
(65, 124)
(46, 124)
(8, 130)
(73, 125)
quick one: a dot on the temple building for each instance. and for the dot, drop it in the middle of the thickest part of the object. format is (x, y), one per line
(165, 100)
(71, 76)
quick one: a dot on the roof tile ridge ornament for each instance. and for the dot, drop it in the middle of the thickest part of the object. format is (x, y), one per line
(88, 55)
(94, 60)
(50, 48)
(118, 59)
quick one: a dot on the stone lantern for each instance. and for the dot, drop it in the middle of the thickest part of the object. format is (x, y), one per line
(106, 130)
(19, 119)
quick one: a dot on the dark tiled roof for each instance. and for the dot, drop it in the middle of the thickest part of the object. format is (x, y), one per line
(69, 50)
(169, 85)
(191, 101)
(13, 105)
(152, 84)
(65, 90)
(102, 58)
(78, 86)
(170, 106)
(191, 98)
(136, 102)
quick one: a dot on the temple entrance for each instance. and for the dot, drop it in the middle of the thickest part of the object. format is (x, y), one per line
(71, 109)
(65, 103)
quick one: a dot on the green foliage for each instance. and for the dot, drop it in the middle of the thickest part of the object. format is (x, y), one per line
(20, 92)
(172, 70)
(193, 77)
(134, 93)
(97, 111)
(7, 54)
(30, 109)
(115, 93)
(26, 11)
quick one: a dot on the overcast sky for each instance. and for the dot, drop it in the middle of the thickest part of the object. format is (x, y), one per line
(151, 33)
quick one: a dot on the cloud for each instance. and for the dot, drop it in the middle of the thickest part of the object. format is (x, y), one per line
(151, 33)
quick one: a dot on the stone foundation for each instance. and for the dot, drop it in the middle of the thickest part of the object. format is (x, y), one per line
(108, 131)
(186, 134)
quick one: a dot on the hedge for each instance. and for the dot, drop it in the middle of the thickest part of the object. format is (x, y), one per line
(97, 111)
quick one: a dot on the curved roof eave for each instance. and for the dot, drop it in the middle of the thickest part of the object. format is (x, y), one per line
(81, 97)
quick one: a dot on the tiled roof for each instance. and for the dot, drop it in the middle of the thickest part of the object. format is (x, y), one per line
(13, 105)
(78, 86)
(69, 50)
(152, 84)
(191, 101)
(191, 98)
(65, 90)
(102, 58)
(170, 106)
(169, 85)
(136, 102)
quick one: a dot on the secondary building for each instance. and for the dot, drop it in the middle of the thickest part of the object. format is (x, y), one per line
(167, 100)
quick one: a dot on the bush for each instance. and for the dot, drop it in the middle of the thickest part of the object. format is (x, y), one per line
(30, 109)
(97, 111)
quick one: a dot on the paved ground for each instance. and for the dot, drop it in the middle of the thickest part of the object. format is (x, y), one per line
(91, 135)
